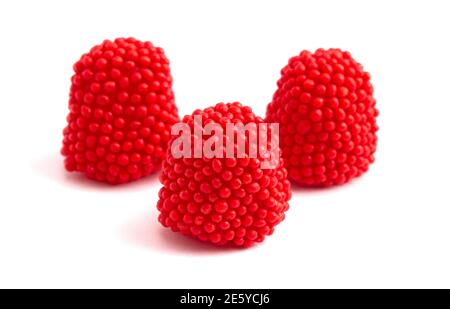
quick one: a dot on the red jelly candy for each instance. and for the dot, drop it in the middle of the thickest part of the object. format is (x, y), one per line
(230, 200)
(326, 111)
(121, 111)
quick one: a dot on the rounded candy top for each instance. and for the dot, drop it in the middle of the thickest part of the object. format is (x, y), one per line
(229, 200)
(327, 115)
(121, 110)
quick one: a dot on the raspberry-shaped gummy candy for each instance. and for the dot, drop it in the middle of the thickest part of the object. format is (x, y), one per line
(326, 110)
(121, 111)
(226, 200)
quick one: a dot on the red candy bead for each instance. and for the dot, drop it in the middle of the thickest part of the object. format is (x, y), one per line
(327, 115)
(121, 111)
(228, 200)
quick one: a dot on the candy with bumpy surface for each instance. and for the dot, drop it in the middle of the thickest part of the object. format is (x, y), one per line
(121, 111)
(326, 110)
(226, 201)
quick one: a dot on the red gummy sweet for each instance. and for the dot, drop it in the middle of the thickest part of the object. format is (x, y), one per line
(121, 111)
(225, 201)
(327, 115)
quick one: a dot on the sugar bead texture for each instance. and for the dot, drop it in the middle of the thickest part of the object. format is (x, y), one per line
(225, 201)
(121, 111)
(326, 110)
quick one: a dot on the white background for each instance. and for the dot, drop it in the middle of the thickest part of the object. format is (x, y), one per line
(390, 228)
